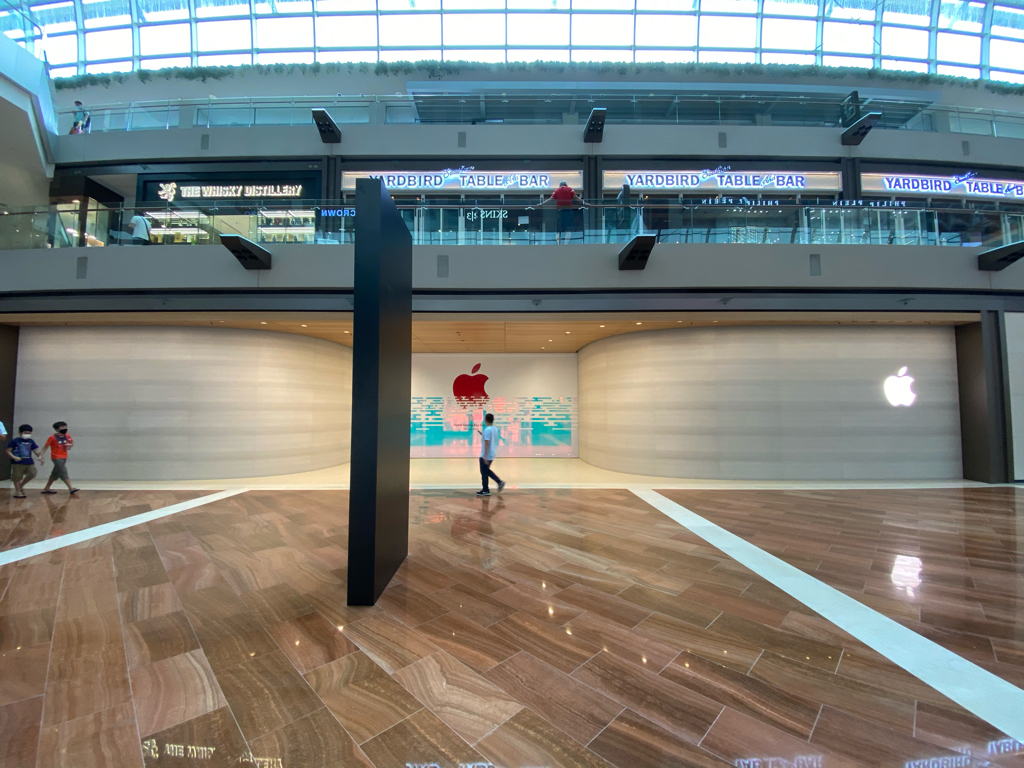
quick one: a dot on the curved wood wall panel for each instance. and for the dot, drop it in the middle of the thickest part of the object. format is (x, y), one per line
(771, 403)
(187, 403)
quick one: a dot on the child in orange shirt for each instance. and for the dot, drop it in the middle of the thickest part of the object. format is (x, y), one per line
(58, 443)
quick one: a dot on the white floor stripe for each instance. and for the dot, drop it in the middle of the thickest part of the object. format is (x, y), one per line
(989, 697)
(31, 550)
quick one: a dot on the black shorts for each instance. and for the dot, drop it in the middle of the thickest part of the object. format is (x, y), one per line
(565, 219)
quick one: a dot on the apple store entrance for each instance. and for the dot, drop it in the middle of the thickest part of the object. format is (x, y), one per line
(591, 399)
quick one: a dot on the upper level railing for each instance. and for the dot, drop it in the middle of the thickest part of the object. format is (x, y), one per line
(318, 223)
(555, 108)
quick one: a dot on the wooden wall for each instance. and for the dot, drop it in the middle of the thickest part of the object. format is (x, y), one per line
(774, 403)
(187, 403)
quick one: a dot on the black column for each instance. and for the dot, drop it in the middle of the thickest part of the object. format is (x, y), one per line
(984, 406)
(378, 515)
(8, 373)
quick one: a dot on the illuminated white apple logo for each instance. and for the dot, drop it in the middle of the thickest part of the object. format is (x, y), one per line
(897, 388)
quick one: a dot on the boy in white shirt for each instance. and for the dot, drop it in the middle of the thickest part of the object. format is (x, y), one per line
(488, 447)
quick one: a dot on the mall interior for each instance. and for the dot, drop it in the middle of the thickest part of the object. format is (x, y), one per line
(737, 281)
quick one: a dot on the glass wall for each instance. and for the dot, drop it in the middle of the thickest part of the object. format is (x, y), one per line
(970, 38)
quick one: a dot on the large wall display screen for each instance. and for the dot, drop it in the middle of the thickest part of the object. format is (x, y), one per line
(724, 179)
(466, 178)
(964, 185)
(532, 397)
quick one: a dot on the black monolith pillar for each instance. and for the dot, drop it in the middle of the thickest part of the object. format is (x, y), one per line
(378, 514)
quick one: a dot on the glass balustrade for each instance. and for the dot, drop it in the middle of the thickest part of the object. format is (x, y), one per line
(317, 223)
(630, 109)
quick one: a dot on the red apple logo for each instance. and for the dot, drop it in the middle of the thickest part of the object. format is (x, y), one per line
(470, 389)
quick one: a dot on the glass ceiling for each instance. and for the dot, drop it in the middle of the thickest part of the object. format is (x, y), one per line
(969, 38)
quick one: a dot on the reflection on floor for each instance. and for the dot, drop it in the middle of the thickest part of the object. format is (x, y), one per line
(465, 473)
(40, 517)
(542, 628)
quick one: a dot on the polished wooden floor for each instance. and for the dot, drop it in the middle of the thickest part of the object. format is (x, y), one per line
(39, 517)
(546, 628)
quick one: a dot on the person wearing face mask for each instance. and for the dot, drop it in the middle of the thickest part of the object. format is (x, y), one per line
(20, 451)
(58, 443)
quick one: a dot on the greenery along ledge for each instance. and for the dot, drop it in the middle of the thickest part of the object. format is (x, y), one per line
(439, 70)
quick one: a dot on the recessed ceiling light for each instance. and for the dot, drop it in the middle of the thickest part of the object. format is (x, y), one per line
(263, 322)
(542, 347)
(567, 333)
(639, 323)
(346, 331)
(304, 325)
(600, 326)
(550, 339)
(220, 321)
(679, 321)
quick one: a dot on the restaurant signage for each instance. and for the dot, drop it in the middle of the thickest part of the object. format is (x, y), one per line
(725, 179)
(963, 185)
(466, 178)
(172, 190)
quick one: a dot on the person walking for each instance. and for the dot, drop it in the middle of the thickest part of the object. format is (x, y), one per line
(488, 448)
(58, 444)
(564, 198)
(20, 451)
(140, 229)
(82, 120)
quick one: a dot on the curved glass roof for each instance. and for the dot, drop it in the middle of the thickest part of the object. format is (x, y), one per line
(970, 38)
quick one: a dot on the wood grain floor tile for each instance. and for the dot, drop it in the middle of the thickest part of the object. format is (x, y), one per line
(158, 638)
(208, 741)
(421, 578)
(592, 578)
(678, 607)
(787, 644)
(473, 645)
(624, 612)
(867, 743)
(562, 701)
(333, 604)
(685, 713)
(529, 740)
(954, 728)
(172, 690)
(266, 693)
(23, 672)
(560, 647)
(148, 602)
(86, 685)
(409, 606)
(745, 693)
(314, 740)
(421, 739)
(30, 597)
(188, 578)
(534, 578)
(19, 733)
(470, 705)
(311, 641)
(737, 738)
(388, 642)
(275, 604)
(231, 639)
(833, 690)
(101, 740)
(625, 643)
(632, 741)
(364, 698)
(27, 628)
(475, 606)
(537, 603)
(733, 653)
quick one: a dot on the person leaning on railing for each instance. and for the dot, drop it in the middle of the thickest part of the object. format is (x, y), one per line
(564, 199)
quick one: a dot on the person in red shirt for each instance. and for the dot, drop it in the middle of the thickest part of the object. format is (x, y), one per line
(58, 443)
(564, 198)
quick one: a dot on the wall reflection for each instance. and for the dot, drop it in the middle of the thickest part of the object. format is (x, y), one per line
(906, 573)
